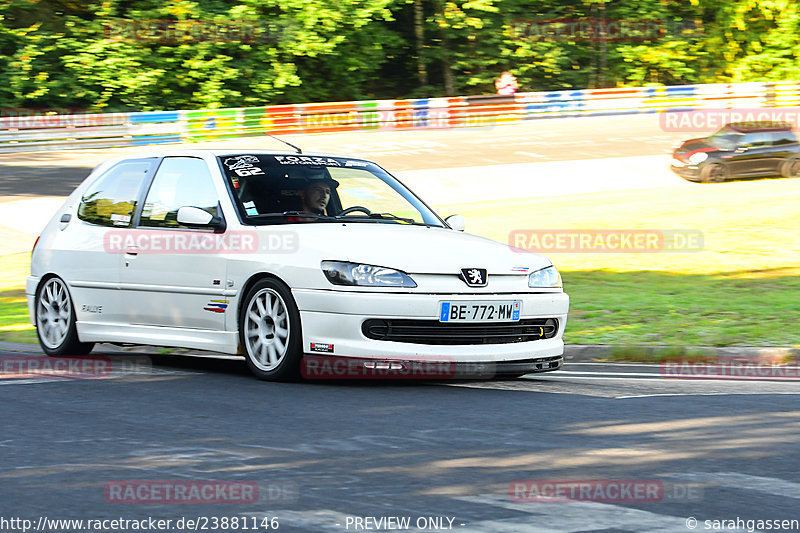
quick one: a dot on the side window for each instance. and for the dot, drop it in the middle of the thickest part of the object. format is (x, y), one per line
(111, 200)
(756, 140)
(179, 182)
(783, 137)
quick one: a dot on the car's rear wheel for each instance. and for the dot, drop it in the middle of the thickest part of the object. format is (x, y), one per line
(791, 168)
(269, 331)
(715, 173)
(55, 320)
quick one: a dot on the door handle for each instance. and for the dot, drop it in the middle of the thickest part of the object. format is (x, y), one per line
(130, 253)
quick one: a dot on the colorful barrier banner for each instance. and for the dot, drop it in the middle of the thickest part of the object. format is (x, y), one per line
(25, 130)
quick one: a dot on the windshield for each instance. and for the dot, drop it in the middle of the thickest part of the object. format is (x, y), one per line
(725, 139)
(281, 189)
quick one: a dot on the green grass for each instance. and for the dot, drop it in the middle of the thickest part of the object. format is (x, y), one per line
(657, 354)
(14, 323)
(670, 309)
(742, 288)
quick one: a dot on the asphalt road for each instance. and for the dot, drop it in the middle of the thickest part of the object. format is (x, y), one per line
(57, 173)
(326, 454)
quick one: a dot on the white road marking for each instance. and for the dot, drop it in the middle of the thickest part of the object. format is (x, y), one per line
(789, 393)
(28, 381)
(610, 373)
(609, 376)
(646, 365)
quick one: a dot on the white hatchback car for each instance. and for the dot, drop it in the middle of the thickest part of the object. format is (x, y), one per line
(282, 258)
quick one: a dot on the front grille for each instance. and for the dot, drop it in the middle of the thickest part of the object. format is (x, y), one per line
(440, 333)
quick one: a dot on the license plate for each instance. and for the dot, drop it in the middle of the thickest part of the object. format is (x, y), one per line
(480, 311)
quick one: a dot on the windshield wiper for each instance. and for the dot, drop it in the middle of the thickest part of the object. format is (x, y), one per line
(389, 216)
(303, 214)
(375, 216)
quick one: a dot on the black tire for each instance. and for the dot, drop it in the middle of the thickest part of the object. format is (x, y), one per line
(55, 320)
(791, 168)
(268, 309)
(715, 173)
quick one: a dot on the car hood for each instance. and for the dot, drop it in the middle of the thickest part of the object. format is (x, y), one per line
(693, 146)
(412, 249)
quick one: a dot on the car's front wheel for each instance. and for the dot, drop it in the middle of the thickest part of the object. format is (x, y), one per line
(55, 320)
(269, 331)
(714, 173)
(791, 168)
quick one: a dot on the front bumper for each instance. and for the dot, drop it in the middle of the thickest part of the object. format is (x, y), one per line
(327, 368)
(332, 323)
(688, 172)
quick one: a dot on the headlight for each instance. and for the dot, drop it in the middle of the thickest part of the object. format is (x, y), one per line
(546, 277)
(343, 273)
(698, 158)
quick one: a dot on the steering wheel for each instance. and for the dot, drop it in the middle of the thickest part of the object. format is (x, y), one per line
(354, 209)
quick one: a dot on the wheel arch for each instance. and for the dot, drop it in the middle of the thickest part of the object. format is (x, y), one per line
(251, 281)
(47, 276)
(290, 368)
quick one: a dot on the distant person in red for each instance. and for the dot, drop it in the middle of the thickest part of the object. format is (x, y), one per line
(506, 84)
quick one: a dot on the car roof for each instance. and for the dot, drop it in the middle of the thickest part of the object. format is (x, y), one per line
(759, 126)
(216, 152)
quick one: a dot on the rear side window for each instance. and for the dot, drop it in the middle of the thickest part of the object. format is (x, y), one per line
(111, 200)
(757, 140)
(783, 137)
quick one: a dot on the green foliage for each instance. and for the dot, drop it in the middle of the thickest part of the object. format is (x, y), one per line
(65, 54)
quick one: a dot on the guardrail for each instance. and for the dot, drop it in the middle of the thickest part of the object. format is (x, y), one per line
(21, 133)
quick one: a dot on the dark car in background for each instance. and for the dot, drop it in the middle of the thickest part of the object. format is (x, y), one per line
(740, 150)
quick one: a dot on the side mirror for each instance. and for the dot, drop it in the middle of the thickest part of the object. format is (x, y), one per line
(456, 222)
(198, 218)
